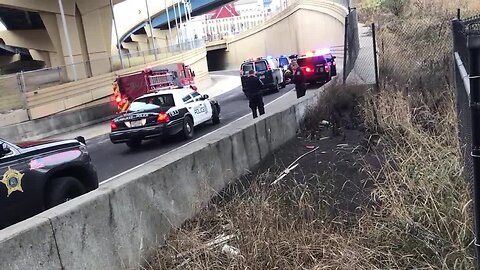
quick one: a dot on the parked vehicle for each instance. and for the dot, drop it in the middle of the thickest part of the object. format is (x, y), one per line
(163, 113)
(315, 67)
(267, 70)
(39, 175)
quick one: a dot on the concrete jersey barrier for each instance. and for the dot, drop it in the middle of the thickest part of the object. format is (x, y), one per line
(120, 224)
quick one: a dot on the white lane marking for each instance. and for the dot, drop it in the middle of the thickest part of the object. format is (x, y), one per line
(184, 145)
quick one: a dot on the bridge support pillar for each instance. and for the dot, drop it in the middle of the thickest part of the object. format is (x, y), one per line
(89, 34)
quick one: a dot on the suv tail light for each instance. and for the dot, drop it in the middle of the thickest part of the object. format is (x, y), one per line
(241, 72)
(163, 118)
(327, 67)
(268, 67)
(113, 125)
(309, 69)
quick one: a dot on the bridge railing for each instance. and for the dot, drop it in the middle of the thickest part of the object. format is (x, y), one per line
(15, 87)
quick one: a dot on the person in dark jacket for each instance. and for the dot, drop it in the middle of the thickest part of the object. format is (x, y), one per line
(253, 90)
(298, 80)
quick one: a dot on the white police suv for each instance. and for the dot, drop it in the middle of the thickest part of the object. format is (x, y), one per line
(163, 113)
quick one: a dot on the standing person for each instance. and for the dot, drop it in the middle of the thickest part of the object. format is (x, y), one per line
(298, 79)
(253, 90)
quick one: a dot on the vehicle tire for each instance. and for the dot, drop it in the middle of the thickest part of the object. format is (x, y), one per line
(62, 189)
(134, 144)
(215, 115)
(187, 131)
(276, 87)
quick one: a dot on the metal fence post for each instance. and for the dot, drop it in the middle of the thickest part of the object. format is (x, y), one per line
(473, 45)
(375, 58)
(345, 50)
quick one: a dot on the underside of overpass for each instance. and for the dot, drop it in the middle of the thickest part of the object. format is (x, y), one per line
(138, 38)
(37, 27)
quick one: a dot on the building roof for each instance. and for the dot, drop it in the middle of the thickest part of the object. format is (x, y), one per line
(225, 11)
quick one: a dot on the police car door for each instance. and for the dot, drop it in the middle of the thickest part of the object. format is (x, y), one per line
(202, 107)
(12, 171)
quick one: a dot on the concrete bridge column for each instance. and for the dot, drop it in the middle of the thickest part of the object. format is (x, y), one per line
(162, 38)
(97, 27)
(53, 24)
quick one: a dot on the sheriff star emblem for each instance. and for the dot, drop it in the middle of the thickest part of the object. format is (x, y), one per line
(12, 179)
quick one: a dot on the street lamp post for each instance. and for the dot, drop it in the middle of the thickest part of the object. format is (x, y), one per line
(181, 21)
(119, 46)
(168, 20)
(176, 22)
(67, 38)
(151, 31)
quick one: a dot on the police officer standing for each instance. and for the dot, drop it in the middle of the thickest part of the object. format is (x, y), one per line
(253, 90)
(298, 79)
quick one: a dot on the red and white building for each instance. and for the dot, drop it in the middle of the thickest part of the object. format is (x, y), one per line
(231, 19)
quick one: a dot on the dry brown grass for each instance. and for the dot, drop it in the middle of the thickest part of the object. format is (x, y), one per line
(419, 213)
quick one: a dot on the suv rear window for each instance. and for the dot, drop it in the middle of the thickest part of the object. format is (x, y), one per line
(152, 102)
(260, 66)
(311, 61)
(247, 67)
(283, 61)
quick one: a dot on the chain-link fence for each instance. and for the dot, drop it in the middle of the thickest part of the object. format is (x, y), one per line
(466, 54)
(414, 52)
(352, 43)
(11, 98)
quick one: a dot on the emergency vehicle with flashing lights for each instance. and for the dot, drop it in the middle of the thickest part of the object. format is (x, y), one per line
(330, 59)
(127, 87)
(315, 66)
(267, 70)
(163, 113)
(38, 175)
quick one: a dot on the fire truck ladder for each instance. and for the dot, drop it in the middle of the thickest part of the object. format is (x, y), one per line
(161, 82)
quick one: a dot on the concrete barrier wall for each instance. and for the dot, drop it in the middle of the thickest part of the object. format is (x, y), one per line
(59, 123)
(306, 25)
(121, 223)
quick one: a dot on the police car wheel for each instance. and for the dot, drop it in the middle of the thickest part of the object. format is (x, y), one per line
(187, 128)
(215, 115)
(276, 88)
(134, 144)
(62, 189)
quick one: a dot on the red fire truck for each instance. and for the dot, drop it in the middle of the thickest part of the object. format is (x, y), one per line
(127, 87)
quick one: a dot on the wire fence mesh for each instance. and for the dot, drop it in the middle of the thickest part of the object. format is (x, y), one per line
(352, 43)
(415, 53)
(461, 30)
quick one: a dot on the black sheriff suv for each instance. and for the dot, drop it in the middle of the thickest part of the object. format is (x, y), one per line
(38, 175)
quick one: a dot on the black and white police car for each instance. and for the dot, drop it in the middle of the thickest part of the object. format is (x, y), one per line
(163, 113)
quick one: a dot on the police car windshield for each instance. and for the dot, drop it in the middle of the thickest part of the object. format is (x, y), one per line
(152, 103)
(311, 61)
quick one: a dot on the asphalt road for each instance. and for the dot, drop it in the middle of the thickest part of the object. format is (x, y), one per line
(111, 159)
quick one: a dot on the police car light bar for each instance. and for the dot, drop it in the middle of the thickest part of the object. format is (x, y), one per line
(322, 51)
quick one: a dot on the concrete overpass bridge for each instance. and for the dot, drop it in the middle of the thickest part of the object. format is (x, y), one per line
(305, 25)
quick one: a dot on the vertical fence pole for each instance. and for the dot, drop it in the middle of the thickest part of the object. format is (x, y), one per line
(345, 46)
(375, 59)
(473, 45)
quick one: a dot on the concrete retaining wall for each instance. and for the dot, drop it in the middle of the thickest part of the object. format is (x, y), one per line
(120, 224)
(304, 26)
(59, 123)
